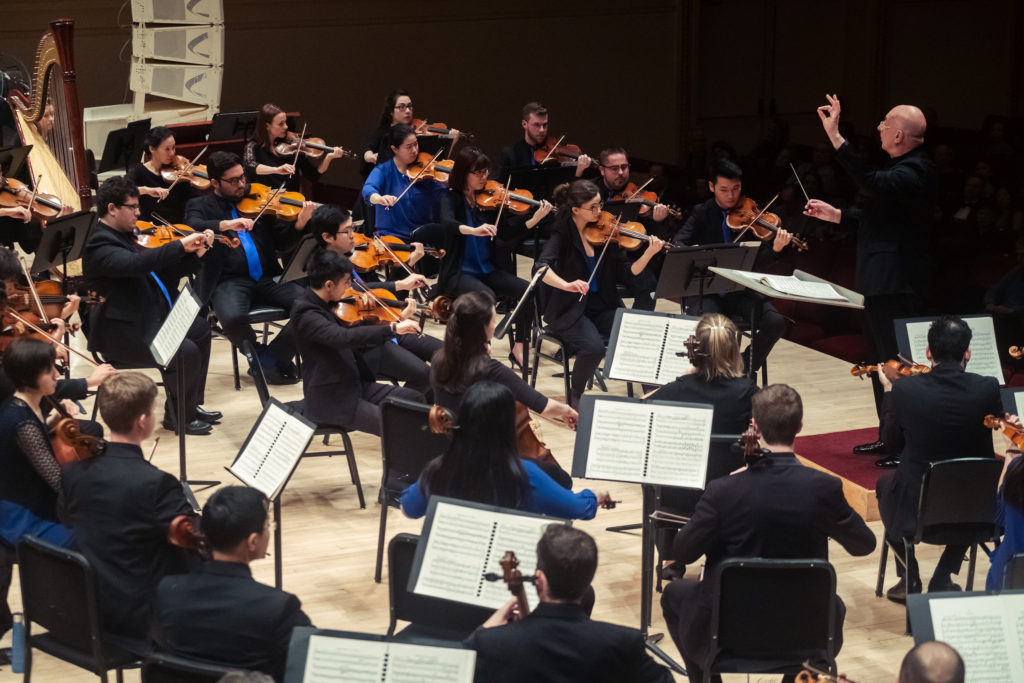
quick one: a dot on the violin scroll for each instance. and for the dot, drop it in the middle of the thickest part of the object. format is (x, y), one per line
(1016, 352)
(514, 580)
(750, 441)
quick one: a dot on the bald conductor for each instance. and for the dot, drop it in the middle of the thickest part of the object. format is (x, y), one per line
(893, 230)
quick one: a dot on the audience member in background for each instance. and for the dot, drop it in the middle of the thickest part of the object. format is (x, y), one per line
(932, 662)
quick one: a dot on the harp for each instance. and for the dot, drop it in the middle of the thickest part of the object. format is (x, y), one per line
(58, 148)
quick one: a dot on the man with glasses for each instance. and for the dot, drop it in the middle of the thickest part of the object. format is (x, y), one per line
(235, 280)
(138, 285)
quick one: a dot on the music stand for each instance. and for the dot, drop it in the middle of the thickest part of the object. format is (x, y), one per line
(625, 211)
(686, 273)
(64, 238)
(296, 268)
(540, 180)
(232, 125)
(12, 160)
(432, 143)
(124, 146)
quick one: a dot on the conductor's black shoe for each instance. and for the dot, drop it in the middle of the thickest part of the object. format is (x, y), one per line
(194, 428)
(876, 448)
(209, 416)
(888, 462)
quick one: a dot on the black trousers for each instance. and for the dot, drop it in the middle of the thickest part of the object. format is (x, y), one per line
(499, 283)
(367, 418)
(771, 324)
(586, 339)
(405, 361)
(234, 298)
(879, 313)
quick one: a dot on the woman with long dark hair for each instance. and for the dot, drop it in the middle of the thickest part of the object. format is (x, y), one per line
(155, 193)
(482, 463)
(263, 165)
(397, 109)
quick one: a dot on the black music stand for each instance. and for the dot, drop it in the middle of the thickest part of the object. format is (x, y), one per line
(624, 211)
(232, 125)
(432, 143)
(686, 273)
(12, 160)
(62, 242)
(124, 146)
(540, 180)
(296, 268)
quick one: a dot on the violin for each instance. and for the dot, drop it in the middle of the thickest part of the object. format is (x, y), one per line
(631, 195)
(529, 442)
(14, 324)
(20, 298)
(313, 148)
(552, 151)
(184, 533)
(631, 235)
(517, 201)
(436, 128)
(750, 440)
(514, 580)
(261, 199)
(365, 308)
(372, 252)
(426, 166)
(43, 206)
(1010, 431)
(893, 369)
(183, 170)
(68, 442)
(1016, 352)
(152, 235)
(764, 224)
(694, 350)
(812, 674)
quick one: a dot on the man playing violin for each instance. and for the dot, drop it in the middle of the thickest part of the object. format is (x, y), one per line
(535, 135)
(133, 280)
(235, 280)
(706, 225)
(403, 357)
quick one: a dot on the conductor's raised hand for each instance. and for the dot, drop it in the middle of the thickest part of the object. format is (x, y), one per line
(829, 115)
(816, 208)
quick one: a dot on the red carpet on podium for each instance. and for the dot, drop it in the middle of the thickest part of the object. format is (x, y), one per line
(834, 452)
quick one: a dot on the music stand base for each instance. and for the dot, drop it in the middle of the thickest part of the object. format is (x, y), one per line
(623, 528)
(651, 642)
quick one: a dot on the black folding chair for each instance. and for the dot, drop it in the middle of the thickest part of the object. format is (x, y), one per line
(165, 668)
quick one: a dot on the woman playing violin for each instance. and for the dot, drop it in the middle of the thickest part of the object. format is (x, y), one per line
(263, 165)
(582, 308)
(397, 109)
(155, 193)
(475, 261)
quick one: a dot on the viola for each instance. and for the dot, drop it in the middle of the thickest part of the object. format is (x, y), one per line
(68, 442)
(153, 235)
(1011, 432)
(381, 306)
(514, 580)
(183, 532)
(20, 298)
(314, 148)
(517, 201)
(426, 166)
(1016, 352)
(628, 235)
(812, 674)
(649, 200)
(764, 224)
(43, 206)
(262, 200)
(694, 350)
(893, 369)
(552, 151)
(14, 324)
(182, 170)
(371, 253)
(751, 442)
(437, 128)
(529, 442)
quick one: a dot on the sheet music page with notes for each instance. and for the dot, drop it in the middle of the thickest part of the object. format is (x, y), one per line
(987, 631)
(275, 444)
(790, 284)
(463, 543)
(984, 352)
(649, 443)
(330, 659)
(170, 335)
(645, 346)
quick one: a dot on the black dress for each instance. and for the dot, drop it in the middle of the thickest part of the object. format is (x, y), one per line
(171, 209)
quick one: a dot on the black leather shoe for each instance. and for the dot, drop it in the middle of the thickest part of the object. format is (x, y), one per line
(942, 586)
(876, 448)
(194, 428)
(898, 593)
(888, 462)
(280, 378)
(209, 416)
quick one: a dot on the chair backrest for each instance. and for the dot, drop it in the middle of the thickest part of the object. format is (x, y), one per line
(958, 501)
(262, 390)
(434, 613)
(777, 610)
(58, 592)
(407, 444)
(1013, 574)
(165, 668)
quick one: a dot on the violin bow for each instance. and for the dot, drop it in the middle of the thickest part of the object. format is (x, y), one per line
(270, 200)
(31, 286)
(599, 258)
(375, 299)
(638, 190)
(170, 226)
(298, 150)
(377, 240)
(755, 219)
(551, 151)
(35, 192)
(501, 208)
(188, 167)
(797, 176)
(416, 177)
(55, 341)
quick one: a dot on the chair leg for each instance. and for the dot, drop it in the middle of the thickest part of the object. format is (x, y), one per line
(120, 675)
(380, 535)
(353, 468)
(880, 583)
(234, 367)
(535, 349)
(970, 567)
(566, 379)
(28, 655)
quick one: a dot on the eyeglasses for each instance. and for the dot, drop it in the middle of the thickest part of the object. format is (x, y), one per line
(133, 207)
(403, 107)
(595, 207)
(621, 167)
(237, 180)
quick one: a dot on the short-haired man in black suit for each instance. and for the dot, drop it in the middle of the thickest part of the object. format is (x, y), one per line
(220, 613)
(562, 642)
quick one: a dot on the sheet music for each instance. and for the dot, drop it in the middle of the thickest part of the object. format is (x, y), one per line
(789, 284)
(332, 659)
(1018, 400)
(984, 352)
(464, 543)
(644, 443)
(987, 631)
(272, 451)
(646, 347)
(167, 340)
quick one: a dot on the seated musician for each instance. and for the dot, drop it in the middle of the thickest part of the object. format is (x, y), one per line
(483, 463)
(265, 166)
(474, 260)
(535, 135)
(932, 661)
(558, 640)
(406, 358)
(235, 280)
(706, 225)
(1009, 516)
(388, 181)
(132, 280)
(220, 614)
(774, 508)
(931, 417)
(581, 309)
(398, 108)
(120, 508)
(155, 193)
(338, 388)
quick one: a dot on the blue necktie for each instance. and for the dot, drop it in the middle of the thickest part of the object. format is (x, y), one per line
(160, 284)
(252, 256)
(726, 230)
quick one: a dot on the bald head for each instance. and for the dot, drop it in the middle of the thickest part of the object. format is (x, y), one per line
(932, 662)
(902, 129)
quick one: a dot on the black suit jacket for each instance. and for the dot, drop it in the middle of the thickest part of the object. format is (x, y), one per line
(704, 227)
(776, 509)
(558, 642)
(931, 417)
(516, 155)
(120, 508)
(893, 230)
(221, 614)
(333, 373)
